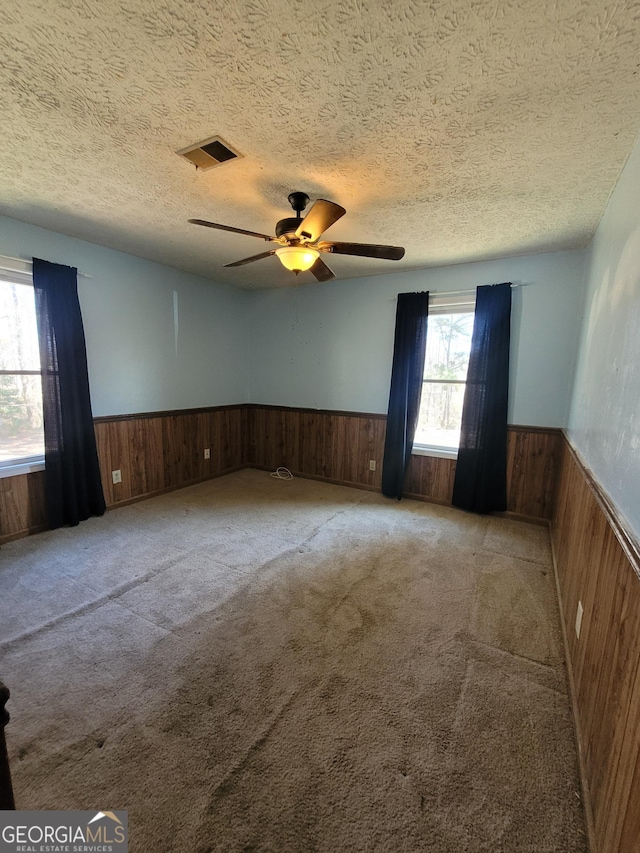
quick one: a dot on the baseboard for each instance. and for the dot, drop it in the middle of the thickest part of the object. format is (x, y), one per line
(319, 478)
(412, 496)
(22, 534)
(514, 516)
(584, 784)
(29, 531)
(528, 519)
(365, 487)
(167, 489)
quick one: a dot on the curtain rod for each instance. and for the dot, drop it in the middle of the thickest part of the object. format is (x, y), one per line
(462, 292)
(29, 261)
(472, 292)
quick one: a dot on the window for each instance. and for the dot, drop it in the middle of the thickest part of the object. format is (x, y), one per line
(449, 331)
(21, 430)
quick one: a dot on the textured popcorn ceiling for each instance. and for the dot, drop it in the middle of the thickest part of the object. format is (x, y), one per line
(462, 131)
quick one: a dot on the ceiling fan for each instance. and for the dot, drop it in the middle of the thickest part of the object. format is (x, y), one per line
(299, 239)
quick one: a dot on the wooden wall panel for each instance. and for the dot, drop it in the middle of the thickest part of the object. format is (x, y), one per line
(135, 446)
(227, 447)
(164, 450)
(335, 446)
(598, 564)
(22, 509)
(532, 462)
(155, 453)
(431, 478)
(149, 453)
(102, 443)
(631, 829)
(338, 446)
(310, 459)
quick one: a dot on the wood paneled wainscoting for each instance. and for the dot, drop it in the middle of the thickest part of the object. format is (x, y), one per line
(598, 564)
(338, 446)
(160, 451)
(165, 450)
(324, 445)
(155, 452)
(21, 505)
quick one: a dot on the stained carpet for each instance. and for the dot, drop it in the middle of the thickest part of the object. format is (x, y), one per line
(258, 665)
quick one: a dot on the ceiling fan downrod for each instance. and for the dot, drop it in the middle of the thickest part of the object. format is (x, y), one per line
(298, 202)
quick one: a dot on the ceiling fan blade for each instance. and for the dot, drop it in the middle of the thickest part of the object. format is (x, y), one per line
(251, 259)
(229, 228)
(321, 271)
(364, 250)
(323, 214)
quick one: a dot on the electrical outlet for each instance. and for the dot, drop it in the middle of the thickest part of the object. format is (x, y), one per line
(207, 453)
(372, 464)
(579, 613)
(116, 476)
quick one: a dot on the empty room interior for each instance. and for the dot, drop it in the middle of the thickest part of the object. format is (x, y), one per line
(320, 423)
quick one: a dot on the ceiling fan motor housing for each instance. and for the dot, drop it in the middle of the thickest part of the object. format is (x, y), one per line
(287, 226)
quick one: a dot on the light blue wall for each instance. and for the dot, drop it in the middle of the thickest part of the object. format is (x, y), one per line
(127, 307)
(605, 412)
(316, 345)
(330, 346)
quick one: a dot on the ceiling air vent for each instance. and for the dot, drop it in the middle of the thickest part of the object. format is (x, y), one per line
(212, 152)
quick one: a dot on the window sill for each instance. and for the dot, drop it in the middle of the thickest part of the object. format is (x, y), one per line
(439, 452)
(21, 468)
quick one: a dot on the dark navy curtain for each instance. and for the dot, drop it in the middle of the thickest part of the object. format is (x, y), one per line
(73, 487)
(481, 472)
(406, 387)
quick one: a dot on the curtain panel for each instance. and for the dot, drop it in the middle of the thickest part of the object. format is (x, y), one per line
(406, 388)
(73, 488)
(481, 471)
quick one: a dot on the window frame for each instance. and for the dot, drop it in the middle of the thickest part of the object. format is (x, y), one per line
(16, 271)
(443, 303)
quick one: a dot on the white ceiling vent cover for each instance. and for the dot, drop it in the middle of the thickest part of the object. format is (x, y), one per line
(212, 152)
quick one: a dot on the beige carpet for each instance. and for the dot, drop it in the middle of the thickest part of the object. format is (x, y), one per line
(294, 667)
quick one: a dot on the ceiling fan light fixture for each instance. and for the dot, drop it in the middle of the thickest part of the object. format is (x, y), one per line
(297, 258)
(298, 239)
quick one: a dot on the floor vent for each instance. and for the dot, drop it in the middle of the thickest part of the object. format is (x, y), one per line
(212, 152)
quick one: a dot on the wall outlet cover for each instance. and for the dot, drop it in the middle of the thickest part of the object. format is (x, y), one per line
(116, 476)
